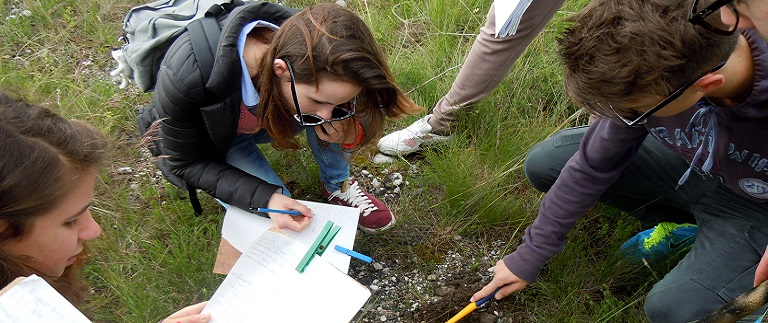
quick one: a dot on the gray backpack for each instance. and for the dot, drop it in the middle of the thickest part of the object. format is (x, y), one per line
(151, 28)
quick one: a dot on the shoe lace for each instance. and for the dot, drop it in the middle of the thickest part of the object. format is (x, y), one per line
(356, 197)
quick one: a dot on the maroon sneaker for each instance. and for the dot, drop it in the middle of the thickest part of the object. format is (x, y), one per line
(374, 215)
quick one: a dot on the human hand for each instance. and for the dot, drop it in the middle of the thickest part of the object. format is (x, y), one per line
(501, 276)
(190, 314)
(285, 221)
(337, 131)
(761, 274)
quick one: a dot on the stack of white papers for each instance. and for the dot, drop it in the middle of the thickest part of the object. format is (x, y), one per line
(264, 286)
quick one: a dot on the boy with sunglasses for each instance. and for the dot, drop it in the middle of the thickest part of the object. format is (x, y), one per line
(676, 138)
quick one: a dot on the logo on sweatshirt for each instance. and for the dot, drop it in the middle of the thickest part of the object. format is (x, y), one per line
(754, 187)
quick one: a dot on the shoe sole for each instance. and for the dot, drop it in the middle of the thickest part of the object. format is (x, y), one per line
(369, 230)
(422, 147)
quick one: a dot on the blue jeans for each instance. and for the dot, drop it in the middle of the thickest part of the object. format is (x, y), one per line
(733, 231)
(246, 155)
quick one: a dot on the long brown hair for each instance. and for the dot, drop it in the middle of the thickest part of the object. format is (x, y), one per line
(43, 156)
(328, 41)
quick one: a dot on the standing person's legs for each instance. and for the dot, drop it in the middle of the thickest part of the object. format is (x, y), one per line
(489, 60)
(487, 63)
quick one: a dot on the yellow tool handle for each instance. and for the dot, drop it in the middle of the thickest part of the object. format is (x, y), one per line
(468, 309)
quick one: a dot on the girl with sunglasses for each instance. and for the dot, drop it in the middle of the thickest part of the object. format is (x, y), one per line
(48, 169)
(278, 73)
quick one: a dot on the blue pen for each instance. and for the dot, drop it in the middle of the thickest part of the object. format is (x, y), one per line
(354, 254)
(266, 210)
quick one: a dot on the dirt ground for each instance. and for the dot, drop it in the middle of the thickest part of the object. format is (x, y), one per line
(406, 287)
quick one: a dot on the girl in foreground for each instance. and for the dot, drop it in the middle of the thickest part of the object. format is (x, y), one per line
(48, 169)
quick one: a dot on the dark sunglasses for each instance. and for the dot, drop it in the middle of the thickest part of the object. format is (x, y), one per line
(643, 117)
(706, 14)
(340, 112)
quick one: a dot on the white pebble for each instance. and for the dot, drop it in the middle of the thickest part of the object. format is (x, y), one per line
(124, 170)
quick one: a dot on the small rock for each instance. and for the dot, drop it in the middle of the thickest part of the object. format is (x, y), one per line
(374, 287)
(375, 183)
(432, 277)
(377, 266)
(396, 190)
(365, 172)
(457, 237)
(383, 318)
(380, 192)
(393, 180)
(124, 170)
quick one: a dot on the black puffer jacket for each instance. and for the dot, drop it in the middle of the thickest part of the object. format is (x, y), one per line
(196, 134)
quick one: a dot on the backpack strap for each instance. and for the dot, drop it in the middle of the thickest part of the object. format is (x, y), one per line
(194, 200)
(204, 34)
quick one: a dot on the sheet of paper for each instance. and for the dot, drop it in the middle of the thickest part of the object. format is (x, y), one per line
(241, 228)
(32, 299)
(264, 286)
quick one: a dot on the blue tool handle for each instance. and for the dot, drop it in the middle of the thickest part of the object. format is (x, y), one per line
(489, 297)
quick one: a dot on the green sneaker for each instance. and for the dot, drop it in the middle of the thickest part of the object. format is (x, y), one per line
(662, 241)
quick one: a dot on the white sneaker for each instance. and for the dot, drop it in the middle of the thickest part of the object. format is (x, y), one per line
(411, 139)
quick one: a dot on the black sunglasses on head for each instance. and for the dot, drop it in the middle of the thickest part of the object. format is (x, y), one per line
(340, 112)
(707, 14)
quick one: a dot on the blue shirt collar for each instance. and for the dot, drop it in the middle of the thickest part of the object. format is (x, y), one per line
(250, 94)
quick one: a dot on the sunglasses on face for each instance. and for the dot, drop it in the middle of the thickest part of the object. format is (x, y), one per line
(677, 93)
(340, 112)
(707, 14)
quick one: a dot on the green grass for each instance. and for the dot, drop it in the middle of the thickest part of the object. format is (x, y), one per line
(155, 256)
